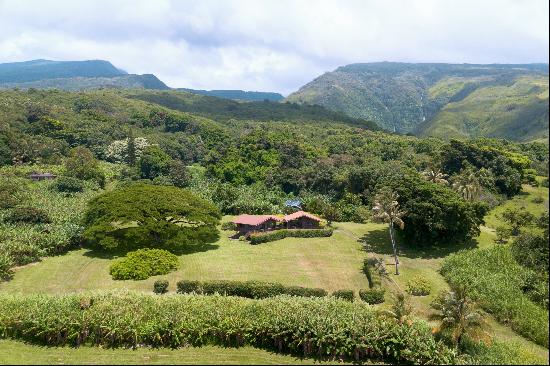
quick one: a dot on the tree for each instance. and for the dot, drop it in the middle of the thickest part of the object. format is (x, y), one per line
(531, 249)
(401, 307)
(386, 209)
(435, 214)
(331, 213)
(435, 176)
(131, 150)
(82, 164)
(467, 185)
(517, 219)
(154, 162)
(178, 174)
(147, 216)
(459, 317)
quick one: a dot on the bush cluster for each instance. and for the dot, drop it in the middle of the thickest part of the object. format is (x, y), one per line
(419, 286)
(372, 296)
(144, 263)
(287, 233)
(160, 287)
(496, 281)
(306, 326)
(29, 215)
(68, 185)
(344, 295)
(248, 289)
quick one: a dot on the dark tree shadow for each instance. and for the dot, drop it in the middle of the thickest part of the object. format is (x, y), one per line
(378, 241)
(190, 249)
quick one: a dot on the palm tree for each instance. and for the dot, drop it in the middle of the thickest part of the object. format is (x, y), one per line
(460, 317)
(467, 185)
(435, 176)
(386, 209)
(401, 308)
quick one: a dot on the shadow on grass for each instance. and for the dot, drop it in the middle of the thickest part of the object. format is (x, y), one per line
(190, 249)
(378, 242)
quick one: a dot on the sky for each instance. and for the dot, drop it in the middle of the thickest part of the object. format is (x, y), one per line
(266, 45)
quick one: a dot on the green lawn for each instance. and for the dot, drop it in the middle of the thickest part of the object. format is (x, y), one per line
(19, 353)
(330, 263)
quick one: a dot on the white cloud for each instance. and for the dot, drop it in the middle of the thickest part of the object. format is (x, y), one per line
(270, 45)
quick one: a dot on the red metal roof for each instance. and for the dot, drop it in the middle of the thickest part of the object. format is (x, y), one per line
(254, 220)
(297, 215)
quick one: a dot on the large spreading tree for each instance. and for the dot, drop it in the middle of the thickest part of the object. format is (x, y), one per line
(435, 214)
(148, 216)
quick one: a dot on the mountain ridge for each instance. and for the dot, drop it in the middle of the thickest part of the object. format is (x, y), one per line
(405, 97)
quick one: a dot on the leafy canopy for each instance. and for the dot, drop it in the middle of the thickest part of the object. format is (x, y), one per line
(144, 215)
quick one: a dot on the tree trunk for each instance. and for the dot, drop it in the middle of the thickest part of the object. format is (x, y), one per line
(394, 248)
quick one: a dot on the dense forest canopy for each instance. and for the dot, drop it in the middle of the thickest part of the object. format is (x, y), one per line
(243, 164)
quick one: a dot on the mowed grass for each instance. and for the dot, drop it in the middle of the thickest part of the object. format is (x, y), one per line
(331, 263)
(19, 353)
(523, 200)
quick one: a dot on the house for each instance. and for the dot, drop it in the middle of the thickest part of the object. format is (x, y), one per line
(42, 176)
(249, 223)
(301, 220)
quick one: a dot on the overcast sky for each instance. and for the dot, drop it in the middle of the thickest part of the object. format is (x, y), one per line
(270, 45)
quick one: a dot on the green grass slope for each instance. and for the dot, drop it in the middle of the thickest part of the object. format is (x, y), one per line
(443, 100)
(517, 111)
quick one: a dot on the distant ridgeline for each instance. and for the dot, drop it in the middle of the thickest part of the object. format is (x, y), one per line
(238, 94)
(72, 75)
(95, 74)
(443, 100)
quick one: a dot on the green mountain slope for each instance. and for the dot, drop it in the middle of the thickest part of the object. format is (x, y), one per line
(407, 98)
(21, 72)
(72, 75)
(241, 95)
(225, 109)
(517, 111)
(146, 81)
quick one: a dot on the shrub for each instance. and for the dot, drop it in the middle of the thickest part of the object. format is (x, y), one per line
(248, 289)
(418, 286)
(144, 263)
(306, 326)
(6, 263)
(68, 185)
(344, 294)
(228, 226)
(9, 193)
(82, 164)
(29, 215)
(260, 238)
(538, 199)
(143, 215)
(160, 287)
(495, 280)
(372, 296)
(187, 287)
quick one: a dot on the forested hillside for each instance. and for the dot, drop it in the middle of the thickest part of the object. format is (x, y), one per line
(444, 100)
(241, 95)
(72, 75)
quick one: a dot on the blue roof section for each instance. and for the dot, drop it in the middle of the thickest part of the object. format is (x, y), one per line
(294, 203)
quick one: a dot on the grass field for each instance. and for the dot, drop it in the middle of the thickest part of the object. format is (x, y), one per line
(19, 353)
(330, 263)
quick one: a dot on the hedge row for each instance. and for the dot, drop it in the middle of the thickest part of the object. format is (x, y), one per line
(311, 327)
(372, 296)
(260, 238)
(248, 289)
